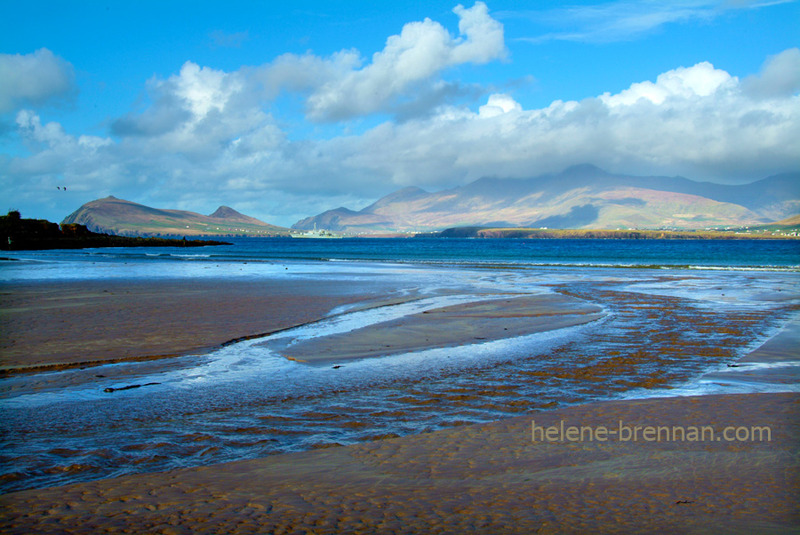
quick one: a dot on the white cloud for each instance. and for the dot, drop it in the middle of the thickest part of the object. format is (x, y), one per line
(700, 80)
(207, 137)
(196, 113)
(52, 135)
(780, 76)
(290, 72)
(196, 91)
(498, 104)
(34, 79)
(204, 89)
(30, 126)
(401, 78)
(422, 50)
(55, 156)
(698, 121)
(484, 36)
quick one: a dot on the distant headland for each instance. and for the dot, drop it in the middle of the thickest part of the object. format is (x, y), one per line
(787, 229)
(18, 234)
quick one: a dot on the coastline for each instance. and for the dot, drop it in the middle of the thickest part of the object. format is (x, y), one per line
(483, 478)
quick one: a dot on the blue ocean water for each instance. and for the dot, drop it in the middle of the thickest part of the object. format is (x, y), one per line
(673, 310)
(538, 252)
(769, 255)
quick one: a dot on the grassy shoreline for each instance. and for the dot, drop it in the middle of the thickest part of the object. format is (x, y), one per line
(601, 234)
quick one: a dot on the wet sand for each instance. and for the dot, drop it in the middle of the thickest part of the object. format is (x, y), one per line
(776, 362)
(488, 478)
(71, 324)
(467, 323)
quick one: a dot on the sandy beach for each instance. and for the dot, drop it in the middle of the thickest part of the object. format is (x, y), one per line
(490, 319)
(499, 477)
(71, 324)
(489, 478)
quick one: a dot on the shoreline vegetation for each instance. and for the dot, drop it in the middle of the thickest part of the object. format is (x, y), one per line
(607, 234)
(18, 234)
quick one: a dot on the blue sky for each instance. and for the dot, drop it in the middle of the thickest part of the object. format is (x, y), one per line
(285, 109)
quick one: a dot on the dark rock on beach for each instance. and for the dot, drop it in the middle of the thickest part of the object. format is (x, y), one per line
(17, 234)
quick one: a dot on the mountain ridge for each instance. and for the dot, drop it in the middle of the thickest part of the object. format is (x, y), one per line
(581, 197)
(125, 218)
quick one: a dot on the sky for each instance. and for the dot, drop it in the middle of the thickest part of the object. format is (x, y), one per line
(283, 110)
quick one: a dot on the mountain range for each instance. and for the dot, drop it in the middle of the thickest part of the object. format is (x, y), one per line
(581, 197)
(124, 218)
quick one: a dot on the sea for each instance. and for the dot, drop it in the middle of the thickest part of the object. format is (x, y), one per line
(675, 314)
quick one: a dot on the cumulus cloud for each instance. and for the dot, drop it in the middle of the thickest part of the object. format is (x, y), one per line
(52, 135)
(421, 50)
(34, 79)
(55, 156)
(400, 79)
(701, 80)
(498, 104)
(206, 137)
(197, 113)
(780, 76)
(303, 73)
(698, 121)
(193, 94)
